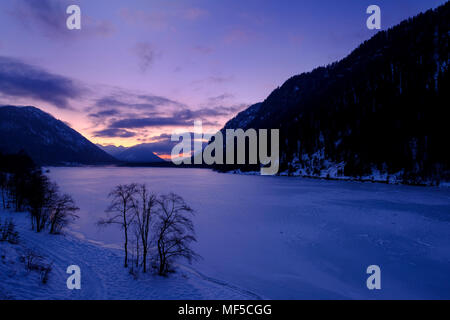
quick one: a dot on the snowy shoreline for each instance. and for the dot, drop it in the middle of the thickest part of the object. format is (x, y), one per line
(365, 179)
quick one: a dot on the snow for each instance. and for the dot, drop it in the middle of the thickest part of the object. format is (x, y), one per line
(261, 237)
(317, 165)
(102, 274)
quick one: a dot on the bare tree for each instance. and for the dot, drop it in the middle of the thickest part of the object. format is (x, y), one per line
(174, 231)
(41, 196)
(145, 208)
(62, 213)
(121, 211)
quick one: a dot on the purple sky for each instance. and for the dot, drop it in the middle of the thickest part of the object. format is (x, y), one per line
(140, 69)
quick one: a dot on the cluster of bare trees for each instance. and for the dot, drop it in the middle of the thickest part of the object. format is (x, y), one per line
(49, 209)
(29, 189)
(159, 228)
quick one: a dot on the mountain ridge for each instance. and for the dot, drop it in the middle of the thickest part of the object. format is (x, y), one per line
(45, 139)
(379, 112)
(140, 153)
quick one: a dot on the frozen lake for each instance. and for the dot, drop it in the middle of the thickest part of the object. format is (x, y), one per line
(293, 238)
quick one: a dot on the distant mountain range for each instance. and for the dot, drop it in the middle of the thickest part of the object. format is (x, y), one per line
(381, 113)
(46, 140)
(141, 153)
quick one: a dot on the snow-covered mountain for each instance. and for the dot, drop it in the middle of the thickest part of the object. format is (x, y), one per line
(112, 149)
(46, 140)
(141, 153)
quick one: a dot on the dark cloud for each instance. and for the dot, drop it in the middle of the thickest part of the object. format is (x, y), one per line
(185, 117)
(18, 79)
(114, 102)
(121, 112)
(146, 54)
(149, 122)
(50, 16)
(129, 106)
(114, 133)
(160, 101)
(139, 102)
(104, 113)
(163, 144)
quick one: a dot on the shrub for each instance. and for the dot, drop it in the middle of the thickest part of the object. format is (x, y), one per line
(8, 232)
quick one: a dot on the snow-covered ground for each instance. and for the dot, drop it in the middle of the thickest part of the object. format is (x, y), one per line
(267, 237)
(102, 274)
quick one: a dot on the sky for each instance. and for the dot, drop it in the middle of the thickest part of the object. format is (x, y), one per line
(139, 70)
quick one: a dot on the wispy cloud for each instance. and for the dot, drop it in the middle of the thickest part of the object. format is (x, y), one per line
(220, 98)
(239, 35)
(114, 133)
(156, 20)
(49, 17)
(18, 79)
(203, 49)
(178, 118)
(146, 55)
(195, 13)
(114, 102)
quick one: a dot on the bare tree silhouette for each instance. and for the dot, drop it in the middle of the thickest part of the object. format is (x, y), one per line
(121, 211)
(174, 231)
(145, 209)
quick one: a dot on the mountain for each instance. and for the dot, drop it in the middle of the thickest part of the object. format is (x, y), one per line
(380, 113)
(243, 118)
(46, 140)
(141, 153)
(112, 150)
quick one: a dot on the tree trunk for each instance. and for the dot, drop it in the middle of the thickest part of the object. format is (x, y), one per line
(161, 259)
(126, 248)
(144, 254)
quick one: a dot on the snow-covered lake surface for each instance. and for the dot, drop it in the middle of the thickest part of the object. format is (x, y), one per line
(293, 238)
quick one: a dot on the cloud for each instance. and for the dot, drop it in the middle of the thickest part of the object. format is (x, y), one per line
(127, 114)
(122, 102)
(104, 113)
(179, 118)
(296, 39)
(49, 16)
(239, 35)
(114, 133)
(162, 144)
(114, 102)
(18, 79)
(160, 101)
(214, 79)
(146, 55)
(203, 49)
(148, 122)
(195, 13)
(220, 98)
(156, 20)
(102, 28)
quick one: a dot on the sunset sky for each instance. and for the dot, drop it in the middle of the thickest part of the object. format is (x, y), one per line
(140, 69)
